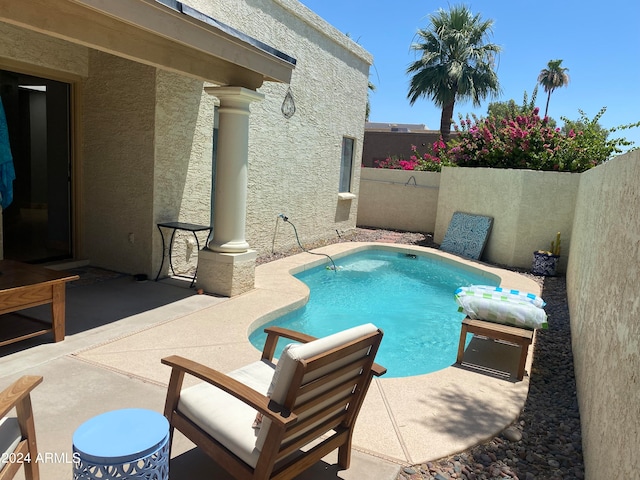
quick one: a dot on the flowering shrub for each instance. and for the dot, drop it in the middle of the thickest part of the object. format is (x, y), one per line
(592, 142)
(431, 162)
(528, 141)
(525, 141)
(395, 163)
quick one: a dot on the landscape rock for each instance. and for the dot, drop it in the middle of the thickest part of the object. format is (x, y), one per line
(512, 434)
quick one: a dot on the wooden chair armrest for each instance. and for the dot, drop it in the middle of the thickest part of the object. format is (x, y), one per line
(17, 391)
(274, 333)
(378, 370)
(242, 392)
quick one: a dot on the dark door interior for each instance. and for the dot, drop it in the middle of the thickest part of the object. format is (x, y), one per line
(37, 224)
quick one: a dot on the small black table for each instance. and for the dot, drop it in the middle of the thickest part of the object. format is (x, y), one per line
(174, 226)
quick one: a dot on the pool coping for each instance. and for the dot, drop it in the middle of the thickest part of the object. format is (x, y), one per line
(404, 421)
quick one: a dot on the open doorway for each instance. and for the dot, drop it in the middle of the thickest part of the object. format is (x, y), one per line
(36, 226)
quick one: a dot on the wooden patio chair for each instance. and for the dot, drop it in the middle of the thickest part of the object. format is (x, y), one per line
(308, 402)
(17, 434)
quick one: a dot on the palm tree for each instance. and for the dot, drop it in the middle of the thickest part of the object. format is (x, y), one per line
(552, 77)
(455, 62)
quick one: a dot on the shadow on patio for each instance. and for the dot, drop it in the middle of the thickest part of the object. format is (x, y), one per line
(111, 359)
(98, 298)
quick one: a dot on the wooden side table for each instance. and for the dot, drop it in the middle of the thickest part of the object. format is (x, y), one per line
(23, 286)
(518, 336)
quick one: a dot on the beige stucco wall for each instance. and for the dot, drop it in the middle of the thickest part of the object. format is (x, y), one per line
(294, 164)
(398, 199)
(182, 176)
(118, 168)
(528, 208)
(146, 138)
(20, 46)
(603, 288)
(158, 169)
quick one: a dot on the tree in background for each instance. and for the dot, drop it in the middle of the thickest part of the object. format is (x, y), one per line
(456, 62)
(510, 109)
(552, 77)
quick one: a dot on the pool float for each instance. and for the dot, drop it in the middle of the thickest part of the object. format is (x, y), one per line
(502, 305)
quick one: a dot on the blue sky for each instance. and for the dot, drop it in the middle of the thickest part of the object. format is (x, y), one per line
(598, 42)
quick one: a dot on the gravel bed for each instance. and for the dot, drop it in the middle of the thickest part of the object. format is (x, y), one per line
(545, 442)
(357, 235)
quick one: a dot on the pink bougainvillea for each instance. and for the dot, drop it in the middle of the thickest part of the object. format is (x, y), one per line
(525, 141)
(418, 161)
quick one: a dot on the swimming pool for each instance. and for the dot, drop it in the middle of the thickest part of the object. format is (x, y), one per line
(410, 297)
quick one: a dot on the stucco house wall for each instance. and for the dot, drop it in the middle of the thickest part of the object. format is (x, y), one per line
(145, 138)
(604, 299)
(294, 164)
(117, 184)
(25, 47)
(158, 169)
(184, 124)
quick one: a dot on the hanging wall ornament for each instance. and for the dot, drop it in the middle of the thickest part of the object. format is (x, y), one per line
(288, 105)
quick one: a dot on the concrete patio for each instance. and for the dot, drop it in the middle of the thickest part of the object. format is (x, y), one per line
(119, 329)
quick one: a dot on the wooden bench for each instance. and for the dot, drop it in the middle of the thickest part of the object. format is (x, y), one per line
(24, 286)
(518, 336)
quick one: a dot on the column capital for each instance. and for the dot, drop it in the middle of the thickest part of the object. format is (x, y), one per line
(240, 94)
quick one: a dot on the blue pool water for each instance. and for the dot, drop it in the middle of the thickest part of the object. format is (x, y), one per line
(410, 299)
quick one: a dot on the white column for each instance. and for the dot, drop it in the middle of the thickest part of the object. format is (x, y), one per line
(228, 266)
(230, 203)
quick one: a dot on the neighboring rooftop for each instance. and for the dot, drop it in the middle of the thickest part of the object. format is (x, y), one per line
(395, 127)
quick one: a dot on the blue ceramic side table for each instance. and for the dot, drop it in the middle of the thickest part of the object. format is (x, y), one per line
(132, 443)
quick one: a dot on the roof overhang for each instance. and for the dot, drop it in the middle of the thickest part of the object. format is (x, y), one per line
(162, 33)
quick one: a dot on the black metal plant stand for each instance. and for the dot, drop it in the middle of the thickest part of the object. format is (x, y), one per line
(175, 226)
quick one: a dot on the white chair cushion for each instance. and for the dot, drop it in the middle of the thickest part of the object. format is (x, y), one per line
(293, 353)
(10, 437)
(223, 416)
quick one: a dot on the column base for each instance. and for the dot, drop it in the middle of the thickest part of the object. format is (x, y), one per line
(226, 274)
(234, 246)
